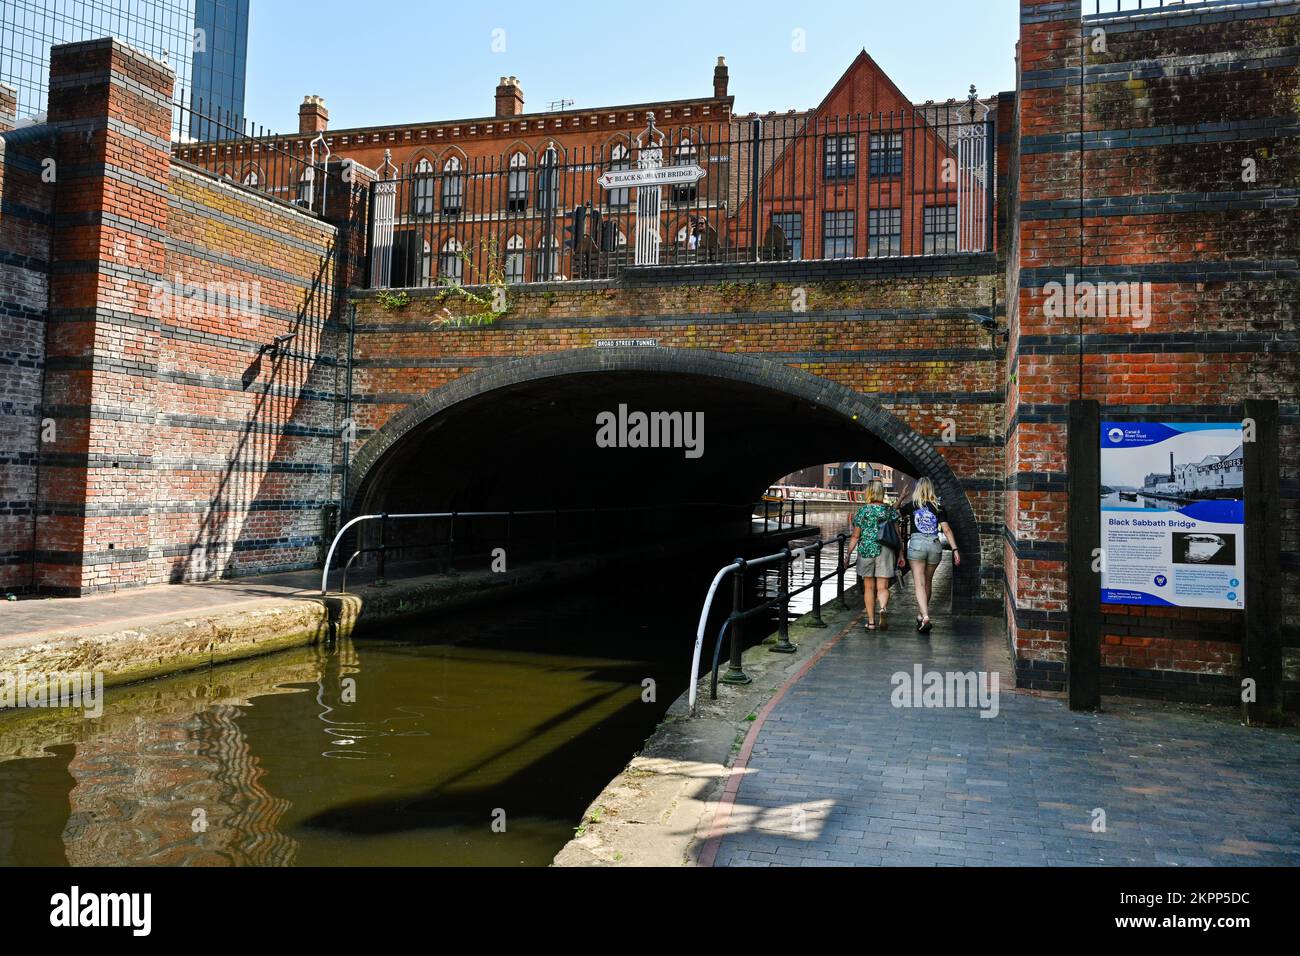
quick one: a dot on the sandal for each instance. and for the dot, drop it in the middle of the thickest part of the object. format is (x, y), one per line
(884, 620)
(927, 627)
(871, 626)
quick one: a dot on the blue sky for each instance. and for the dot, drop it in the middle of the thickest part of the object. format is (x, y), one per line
(390, 61)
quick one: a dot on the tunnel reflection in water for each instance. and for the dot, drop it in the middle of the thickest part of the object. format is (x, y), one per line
(527, 709)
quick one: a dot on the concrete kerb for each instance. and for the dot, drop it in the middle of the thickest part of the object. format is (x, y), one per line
(661, 809)
(145, 647)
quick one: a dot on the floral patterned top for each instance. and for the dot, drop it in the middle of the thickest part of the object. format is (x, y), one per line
(867, 521)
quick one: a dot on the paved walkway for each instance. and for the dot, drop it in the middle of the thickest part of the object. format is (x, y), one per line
(33, 615)
(839, 776)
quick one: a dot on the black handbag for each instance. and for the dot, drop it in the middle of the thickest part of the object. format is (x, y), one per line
(887, 535)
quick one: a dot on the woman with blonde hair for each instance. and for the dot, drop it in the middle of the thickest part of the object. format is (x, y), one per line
(925, 525)
(875, 538)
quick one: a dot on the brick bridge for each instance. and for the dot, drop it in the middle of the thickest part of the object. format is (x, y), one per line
(789, 372)
(147, 443)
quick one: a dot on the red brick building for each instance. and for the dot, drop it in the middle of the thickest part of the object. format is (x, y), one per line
(488, 198)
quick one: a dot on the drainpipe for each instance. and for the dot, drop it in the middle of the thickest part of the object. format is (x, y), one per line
(347, 417)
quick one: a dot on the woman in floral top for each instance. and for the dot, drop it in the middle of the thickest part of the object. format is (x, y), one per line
(876, 562)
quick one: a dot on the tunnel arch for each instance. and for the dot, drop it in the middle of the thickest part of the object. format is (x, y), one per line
(857, 413)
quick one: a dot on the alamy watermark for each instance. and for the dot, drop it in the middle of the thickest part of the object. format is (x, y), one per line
(625, 429)
(178, 299)
(952, 689)
(51, 689)
(1098, 300)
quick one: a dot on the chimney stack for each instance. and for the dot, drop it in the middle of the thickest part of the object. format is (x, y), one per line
(313, 117)
(510, 97)
(720, 78)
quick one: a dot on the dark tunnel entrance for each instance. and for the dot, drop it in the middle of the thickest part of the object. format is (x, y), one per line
(523, 435)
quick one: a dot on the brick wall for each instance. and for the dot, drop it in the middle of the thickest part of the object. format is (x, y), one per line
(1169, 109)
(26, 208)
(182, 445)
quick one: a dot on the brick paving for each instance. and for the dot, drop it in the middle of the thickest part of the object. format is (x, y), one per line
(840, 777)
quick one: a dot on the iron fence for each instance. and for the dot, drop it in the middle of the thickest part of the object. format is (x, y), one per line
(782, 561)
(1103, 8)
(236, 149)
(798, 186)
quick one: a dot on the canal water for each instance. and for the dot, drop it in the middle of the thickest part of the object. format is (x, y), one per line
(474, 738)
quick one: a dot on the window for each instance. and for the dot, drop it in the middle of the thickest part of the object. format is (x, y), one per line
(251, 178)
(517, 184)
(837, 234)
(451, 267)
(886, 154)
(548, 260)
(453, 187)
(841, 161)
(791, 226)
(884, 232)
(426, 264)
(685, 155)
(422, 189)
(307, 187)
(515, 259)
(548, 180)
(940, 230)
(620, 158)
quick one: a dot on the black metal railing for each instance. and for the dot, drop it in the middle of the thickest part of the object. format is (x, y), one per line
(290, 169)
(445, 541)
(734, 625)
(1102, 8)
(785, 517)
(916, 182)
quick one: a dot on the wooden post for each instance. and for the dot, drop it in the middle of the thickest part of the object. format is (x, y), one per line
(1261, 646)
(1084, 535)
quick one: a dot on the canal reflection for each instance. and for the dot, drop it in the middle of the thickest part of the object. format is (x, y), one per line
(473, 739)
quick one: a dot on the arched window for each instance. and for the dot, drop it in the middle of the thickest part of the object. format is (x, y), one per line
(620, 158)
(307, 187)
(451, 267)
(252, 177)
(426, 263)
(453, 187)
(684, 155)
(548, 180)
(515, 259)
(422, 189)
(517, 184)
(548, 260)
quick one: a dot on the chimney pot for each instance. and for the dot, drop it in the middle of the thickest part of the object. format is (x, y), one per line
(313, 117)
(721, 76)
(510, 97)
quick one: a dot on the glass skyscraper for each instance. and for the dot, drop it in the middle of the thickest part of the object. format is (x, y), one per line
(204, 41)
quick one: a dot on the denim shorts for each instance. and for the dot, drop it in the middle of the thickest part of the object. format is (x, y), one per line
(925, 547)
(883, 565)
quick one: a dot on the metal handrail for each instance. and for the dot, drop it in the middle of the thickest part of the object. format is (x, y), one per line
(385, 517)
(786, 558)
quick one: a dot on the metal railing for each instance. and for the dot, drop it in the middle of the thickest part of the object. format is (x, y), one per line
(735, 622)
(291, 169)
(1104, 8)
(452, 541)
(781, 514)
(916, 182)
